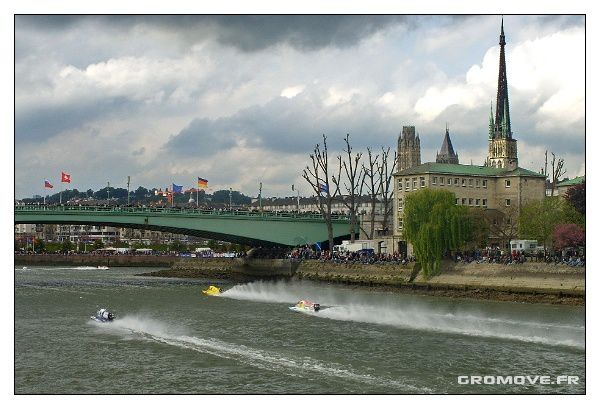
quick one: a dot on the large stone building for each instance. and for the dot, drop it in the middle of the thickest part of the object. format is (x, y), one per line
(499, 187)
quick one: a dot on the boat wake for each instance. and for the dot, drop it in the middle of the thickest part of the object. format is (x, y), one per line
(462, 324)
(417, 314)
(147, 329)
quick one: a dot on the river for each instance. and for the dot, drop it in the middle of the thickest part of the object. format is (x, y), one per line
(170, 339)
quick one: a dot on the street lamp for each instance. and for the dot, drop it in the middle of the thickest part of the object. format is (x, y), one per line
(230, 191)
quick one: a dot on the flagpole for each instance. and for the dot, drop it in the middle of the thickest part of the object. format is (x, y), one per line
(128, 180)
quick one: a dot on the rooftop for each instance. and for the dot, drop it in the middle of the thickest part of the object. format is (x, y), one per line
(572, 182)
(474, 170)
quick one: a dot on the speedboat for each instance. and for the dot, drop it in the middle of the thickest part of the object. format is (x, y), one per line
(103, 315)
(102, 267)
(306, 306)
(212, 290)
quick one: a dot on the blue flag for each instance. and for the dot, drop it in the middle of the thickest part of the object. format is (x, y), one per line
(177, 189)
(323, 188)
(318, 245)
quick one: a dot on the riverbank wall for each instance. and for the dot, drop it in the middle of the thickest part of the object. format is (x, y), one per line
(527, 282)
(94, 260)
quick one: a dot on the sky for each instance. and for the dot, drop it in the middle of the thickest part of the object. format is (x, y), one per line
(240, 100)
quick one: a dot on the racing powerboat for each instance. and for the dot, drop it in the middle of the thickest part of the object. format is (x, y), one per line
(102, 267)
(103, 315)
(212, 290)
(306, 306)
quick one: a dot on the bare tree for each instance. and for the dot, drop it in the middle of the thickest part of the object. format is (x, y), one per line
(386, 186)
(355, 180)
(371, 173)
(503, 224)
(317, 177)
(557, 171)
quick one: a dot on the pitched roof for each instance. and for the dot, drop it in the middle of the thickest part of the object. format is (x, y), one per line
(474, 170)
(447, 149)
(571, 182)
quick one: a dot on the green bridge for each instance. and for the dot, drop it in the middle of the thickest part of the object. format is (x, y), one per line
(244, 227)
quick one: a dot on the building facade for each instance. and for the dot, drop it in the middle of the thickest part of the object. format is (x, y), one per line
(500, 188)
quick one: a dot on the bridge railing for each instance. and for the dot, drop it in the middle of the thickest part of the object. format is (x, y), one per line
(175, 210)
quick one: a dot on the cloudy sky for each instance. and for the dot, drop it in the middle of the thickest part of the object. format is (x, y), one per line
(240, 100)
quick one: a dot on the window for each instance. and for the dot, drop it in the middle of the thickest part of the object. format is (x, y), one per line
(476, 182)
(456, 201)
(456, 181)
(400, 184)
(414, 183)
(507, 183)
(400, 204)
(422, 181)
(400, 222)
(470, 182)
(507, 202)
(484, 183)
(464, 201)
(442, 181)
(477, 202)
(434, 182)
(406, 184)
(464, 182)
(470, 201)
(449, 181)
(485, 202)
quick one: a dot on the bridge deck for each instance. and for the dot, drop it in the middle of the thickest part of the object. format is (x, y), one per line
(248, 227)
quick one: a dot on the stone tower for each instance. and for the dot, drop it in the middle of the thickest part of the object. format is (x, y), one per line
(409, 148)
(502, 151)
(447, 154)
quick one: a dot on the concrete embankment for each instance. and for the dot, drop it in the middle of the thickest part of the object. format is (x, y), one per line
(528, 282)
(94, 260)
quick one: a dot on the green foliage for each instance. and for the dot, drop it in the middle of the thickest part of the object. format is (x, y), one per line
(571, 214)
(480, 229)
(66, 246)
(237, 198)
(98, 244)
(434, 225)
(40, 246)
(539, 218)
(178, 246)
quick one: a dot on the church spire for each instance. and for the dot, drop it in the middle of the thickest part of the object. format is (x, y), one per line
(447, 154)
(502, 147)
(502, 121)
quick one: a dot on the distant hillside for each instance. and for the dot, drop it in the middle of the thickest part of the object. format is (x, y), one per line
(140, 196)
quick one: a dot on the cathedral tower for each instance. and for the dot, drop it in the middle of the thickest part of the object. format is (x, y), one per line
(447, 154)
(502, 150)
(409, 148)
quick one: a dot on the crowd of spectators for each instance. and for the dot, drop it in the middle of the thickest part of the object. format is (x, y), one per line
(349, 257)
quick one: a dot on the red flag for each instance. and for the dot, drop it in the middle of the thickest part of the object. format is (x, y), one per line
(47, 184)
(65, 178)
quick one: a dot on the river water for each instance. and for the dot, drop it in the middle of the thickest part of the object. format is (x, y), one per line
(169, 338)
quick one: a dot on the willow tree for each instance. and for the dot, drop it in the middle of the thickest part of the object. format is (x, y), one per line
(433, 224)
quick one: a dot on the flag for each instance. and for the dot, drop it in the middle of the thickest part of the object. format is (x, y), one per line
(65, 178)
(202, 182)
(177, 189)
(318, 246)
(323, 188)
(47, 184)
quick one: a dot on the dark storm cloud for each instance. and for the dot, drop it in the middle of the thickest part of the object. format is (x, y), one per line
(39, 124)
(244, 32)
(283, 125)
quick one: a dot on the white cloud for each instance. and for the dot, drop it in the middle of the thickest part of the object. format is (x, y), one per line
(291, 92)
